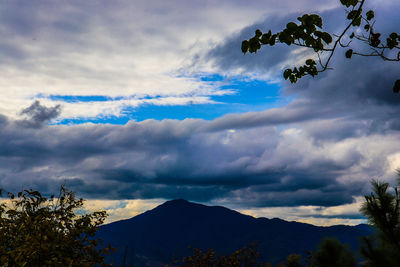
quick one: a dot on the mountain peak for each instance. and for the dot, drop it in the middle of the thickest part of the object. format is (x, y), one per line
(176, 204)
(177, 207)
(172, 227)
(176, 201)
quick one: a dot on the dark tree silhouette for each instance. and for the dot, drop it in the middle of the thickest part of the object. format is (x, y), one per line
(40, 231)
(246, 256)
(382, 210)
(331, 253)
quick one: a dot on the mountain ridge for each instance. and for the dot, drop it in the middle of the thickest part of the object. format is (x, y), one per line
(160, 234)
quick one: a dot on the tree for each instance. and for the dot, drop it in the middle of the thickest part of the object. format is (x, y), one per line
(308, 33)
(40, 231)
(332, 253)
(294, 260)
(246, 256)
(382, 209)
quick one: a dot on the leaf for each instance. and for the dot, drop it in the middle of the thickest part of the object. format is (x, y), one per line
(318, 45)
(356, 21)
(391, 43)
(396, 87)
(287, 73)
(310, 41)
(353, 2)
(254, 45)
(370, 15)
(310, 62)
(349, 53)
(318, 34)
(375, 41)
(349, 3)
(272, 40)
(345, 3)
(326, 37)
(284, 38)
(352, 14)
(393, 35)
(316, 20)
(245, 46)
(291, 26)
(265, 38)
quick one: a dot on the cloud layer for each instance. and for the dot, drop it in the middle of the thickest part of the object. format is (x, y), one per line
(266, 162)
(314, 156)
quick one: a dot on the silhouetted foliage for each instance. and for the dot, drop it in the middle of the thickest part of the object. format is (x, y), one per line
(244, 257)
(331, 253)
(294, 260)
(40, 231)
(382, 210)
(307, 32)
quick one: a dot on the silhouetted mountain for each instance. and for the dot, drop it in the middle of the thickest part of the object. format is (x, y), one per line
(157, 235)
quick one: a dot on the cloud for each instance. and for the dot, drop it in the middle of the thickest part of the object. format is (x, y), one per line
(121, 209)
(259, 165)
(359, 89)
(269, 61)
(317, 215)
(124, 49)
(320, 150)
(38, 115)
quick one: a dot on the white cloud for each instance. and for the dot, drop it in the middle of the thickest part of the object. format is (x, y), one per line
(317, 215)
(118, 48)
(121, 209)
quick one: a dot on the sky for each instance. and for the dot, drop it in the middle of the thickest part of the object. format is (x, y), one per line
(132, 103)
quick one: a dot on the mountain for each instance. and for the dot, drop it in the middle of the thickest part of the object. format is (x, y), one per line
(158, 235)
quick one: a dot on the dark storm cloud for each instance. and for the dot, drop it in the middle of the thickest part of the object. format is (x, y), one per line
(274, 116)
(357, 90)
(258, 165)
(38, 114)
(228, 55)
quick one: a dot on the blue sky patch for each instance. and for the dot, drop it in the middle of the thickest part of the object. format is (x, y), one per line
(80, 98)
(249, 95)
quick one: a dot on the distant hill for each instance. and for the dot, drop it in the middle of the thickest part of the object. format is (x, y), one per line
(156, 236)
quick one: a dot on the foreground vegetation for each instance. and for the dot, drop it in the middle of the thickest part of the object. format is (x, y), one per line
(330, 253)
(40, 231)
